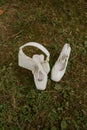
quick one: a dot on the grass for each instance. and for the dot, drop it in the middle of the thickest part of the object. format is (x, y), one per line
(63, 105)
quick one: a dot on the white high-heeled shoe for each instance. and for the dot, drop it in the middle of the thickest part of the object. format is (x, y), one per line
(59, 67)
(39, 67)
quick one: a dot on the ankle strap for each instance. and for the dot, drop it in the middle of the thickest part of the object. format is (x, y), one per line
(26, 61)
(42, 48)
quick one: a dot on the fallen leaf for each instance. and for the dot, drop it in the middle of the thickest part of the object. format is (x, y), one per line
(1, 11)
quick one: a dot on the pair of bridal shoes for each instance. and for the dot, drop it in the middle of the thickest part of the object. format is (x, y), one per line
(39, 65)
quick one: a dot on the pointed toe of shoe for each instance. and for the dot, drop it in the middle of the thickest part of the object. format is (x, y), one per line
(56, 76)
